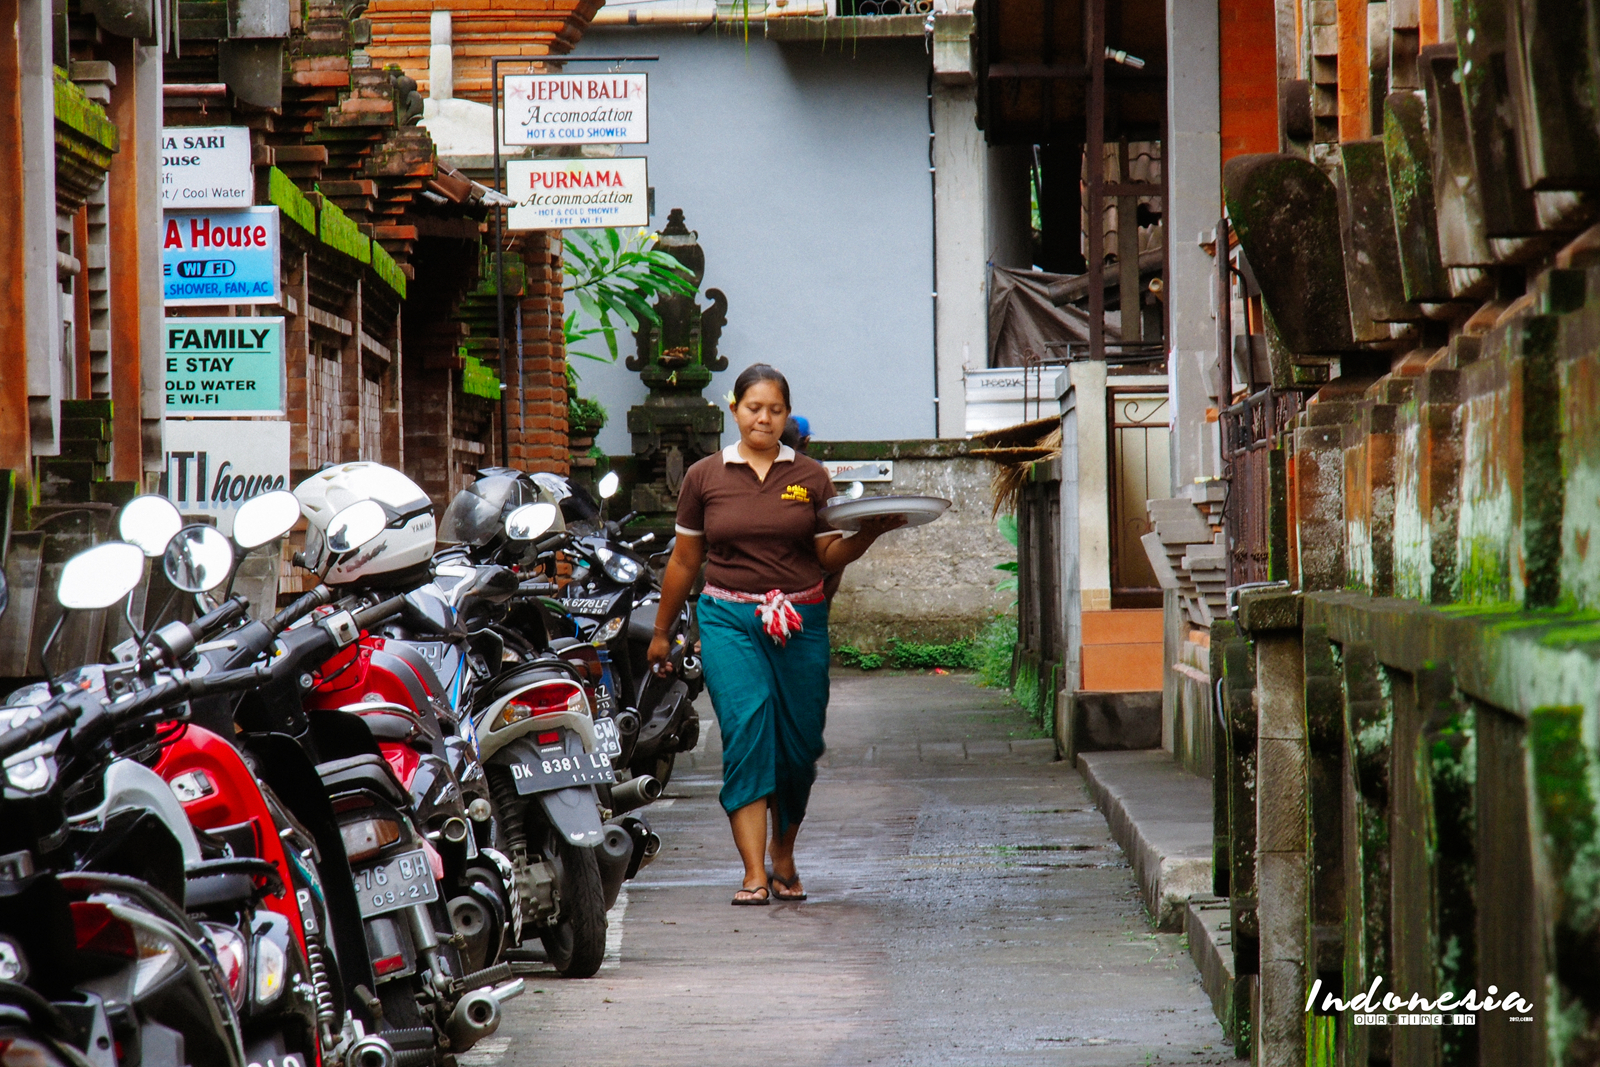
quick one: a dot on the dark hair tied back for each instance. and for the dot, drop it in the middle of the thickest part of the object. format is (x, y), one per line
(761, 372)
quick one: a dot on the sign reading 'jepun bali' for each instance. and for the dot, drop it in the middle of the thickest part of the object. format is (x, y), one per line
(224, 366)
(576, 109)
(220, 257)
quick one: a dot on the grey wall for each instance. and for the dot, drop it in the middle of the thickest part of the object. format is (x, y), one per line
(805, 172)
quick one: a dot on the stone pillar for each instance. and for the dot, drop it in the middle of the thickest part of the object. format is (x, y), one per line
(14, 435)
(441, 60)
(1272, 618)
(537, 403)
(41, 328)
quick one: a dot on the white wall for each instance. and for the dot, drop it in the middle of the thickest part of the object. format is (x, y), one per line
(805, 171)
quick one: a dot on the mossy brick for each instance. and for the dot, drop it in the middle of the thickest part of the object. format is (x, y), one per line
(1550, 76)
(1286, 213)
(93, 451)
(1410, 162)
(1508, 208)
(1580, 454)
(1371, 254)
(1538, 484)
(1462, 242)
(85, 429)
(86, 409)
(1265, 610)
(113, 492)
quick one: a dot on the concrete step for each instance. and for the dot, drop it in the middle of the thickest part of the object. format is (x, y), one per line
(1161, 816)
(1210, 937)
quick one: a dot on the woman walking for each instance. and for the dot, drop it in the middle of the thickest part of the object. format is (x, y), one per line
(750, 513)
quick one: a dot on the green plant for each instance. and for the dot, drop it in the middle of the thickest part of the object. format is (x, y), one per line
(993, 650)
(582, 412)
(1007, 525)
(614, 279)
(851, 656)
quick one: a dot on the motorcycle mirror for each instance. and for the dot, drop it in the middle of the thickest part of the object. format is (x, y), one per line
(609, 485)
(264, 517)
(355, 526)
(198, 559)
(530, 521)
(100, 576)
(854, 490)
(149, 522)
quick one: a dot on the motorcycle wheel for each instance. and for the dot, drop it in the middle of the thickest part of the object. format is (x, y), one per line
(576, 945)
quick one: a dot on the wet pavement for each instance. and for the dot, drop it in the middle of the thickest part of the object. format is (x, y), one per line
(968, 906)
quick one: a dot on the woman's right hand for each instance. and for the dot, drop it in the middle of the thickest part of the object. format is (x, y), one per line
(660, 648)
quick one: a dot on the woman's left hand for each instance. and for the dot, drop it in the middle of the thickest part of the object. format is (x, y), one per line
(876, 527)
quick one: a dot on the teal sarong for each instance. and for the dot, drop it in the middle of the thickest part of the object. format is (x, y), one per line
(771, 704)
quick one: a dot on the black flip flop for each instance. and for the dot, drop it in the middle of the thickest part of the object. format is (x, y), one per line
(787, 883)
(754, 901)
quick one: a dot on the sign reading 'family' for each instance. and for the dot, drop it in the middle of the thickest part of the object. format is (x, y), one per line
(224, 366)
(206, 166)
(575, 194)
(220, 257)
(576, 109)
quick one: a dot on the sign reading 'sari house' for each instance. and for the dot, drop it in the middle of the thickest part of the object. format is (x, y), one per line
(214, 465)
(575, 194)
(576, 109)
(224, 366)
(206, 166)
(220, 257)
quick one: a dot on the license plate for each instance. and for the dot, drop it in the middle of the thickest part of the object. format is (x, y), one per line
(558, 772)
(606, 738)
(397, 883)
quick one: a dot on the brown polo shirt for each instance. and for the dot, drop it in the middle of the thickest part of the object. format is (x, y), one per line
(760, 535)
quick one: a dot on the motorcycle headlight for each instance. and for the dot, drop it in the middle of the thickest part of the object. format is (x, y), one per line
(608, 630)
(13, 962)
(368, 837)
(271, 964)
(619, 568)
(231, 955)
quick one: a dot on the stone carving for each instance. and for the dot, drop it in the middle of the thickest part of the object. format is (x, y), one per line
(676, 426)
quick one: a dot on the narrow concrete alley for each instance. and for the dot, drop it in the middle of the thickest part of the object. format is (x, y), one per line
(968, 906)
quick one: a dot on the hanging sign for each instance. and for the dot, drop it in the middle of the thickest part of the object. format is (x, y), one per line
(575, 109)
(214, 465)
(220, 257)
(575, 194)
(206, 166)
(219, 366)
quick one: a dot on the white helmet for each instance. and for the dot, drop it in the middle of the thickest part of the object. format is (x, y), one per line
(406, 542)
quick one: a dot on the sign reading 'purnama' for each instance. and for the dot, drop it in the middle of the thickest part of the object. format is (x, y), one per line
(575, 194)
(576, 109)
(224, 366)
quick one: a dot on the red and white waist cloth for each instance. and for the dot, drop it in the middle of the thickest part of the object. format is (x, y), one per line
(775, 608)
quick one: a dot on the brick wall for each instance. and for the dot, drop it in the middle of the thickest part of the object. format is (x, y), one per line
(539, 421)
(1249, 81)
(482, 28)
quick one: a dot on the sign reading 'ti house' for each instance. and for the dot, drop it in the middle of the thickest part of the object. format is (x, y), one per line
(220, 257)
(224, 366)
(206, 166)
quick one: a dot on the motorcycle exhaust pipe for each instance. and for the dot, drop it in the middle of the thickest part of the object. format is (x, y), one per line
(370, 1051)
(477, 1015)
(645, 842)
(614, 855)
(635, 793)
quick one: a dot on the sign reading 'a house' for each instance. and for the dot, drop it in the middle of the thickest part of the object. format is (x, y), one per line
(575, 109)
(220, 257)
(575, 194)
(224, 366)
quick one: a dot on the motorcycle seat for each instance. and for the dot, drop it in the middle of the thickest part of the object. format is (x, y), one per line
(365, 771)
